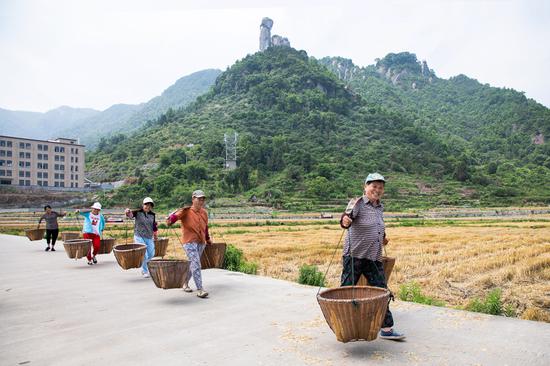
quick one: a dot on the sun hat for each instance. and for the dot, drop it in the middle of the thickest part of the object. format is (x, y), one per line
(148, 200)
(97, 205)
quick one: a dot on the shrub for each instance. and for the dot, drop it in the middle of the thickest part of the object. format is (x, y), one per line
(234, 261)
(412, 292)
(310, 275)
(492, 304)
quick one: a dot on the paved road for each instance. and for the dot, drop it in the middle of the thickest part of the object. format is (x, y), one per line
(58, 311)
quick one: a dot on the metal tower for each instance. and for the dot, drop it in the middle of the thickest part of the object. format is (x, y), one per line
(230, 150)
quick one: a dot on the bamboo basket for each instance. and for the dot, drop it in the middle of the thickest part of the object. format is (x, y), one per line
(70, 235)
(106, 245)
(77, 248)
(35, 234)
(168, 273)
(130, 255)
(354, 313)
(213, 256)
(160, 247)
(388, 263)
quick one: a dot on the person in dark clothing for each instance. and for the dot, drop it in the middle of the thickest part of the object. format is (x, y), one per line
(145, 230)
(52, 228)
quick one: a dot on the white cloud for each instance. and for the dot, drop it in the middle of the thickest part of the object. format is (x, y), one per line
(98, 53)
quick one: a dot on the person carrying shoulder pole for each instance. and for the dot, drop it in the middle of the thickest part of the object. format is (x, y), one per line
(194, 226)
(145, 230)
(364, 219)
(52, 228)
(94, 223)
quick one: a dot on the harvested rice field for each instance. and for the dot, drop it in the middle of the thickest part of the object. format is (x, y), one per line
(454, 260)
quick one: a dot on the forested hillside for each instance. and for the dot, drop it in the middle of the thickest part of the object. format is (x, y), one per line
(305, 136)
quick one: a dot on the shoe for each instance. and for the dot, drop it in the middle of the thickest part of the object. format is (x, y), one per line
(392, 334)
(90, 263)
(47, 249)
(202, 294)
(187, 289)
(94, 260)
(145, 275)
(53, 249)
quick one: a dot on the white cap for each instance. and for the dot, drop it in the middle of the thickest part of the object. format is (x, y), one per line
(198, 193)
(372, 177)
(97, 205)
(148, 200)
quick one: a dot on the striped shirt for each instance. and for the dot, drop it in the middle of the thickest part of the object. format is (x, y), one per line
(366, 233)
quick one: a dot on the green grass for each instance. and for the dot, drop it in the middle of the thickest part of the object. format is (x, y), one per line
(310, 275)
(412, 292)
(491, 304)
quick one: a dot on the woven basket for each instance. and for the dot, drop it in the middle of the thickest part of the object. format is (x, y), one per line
(160, 247)
(168, 273)
(388, 263)
(70, 235)
(130, 255)
(213, 255)
(35, 234)
(354, 312)
(106, 245)
(77, 248)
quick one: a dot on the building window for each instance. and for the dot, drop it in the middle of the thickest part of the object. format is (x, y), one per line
(76, 177)
(21, 146)
(9, 154)
(45, 156)
(76, 159)
(21, 164)
(21, 155)
(2, 143)
(2, 162)
(2, 172)
(45, 147)
(8, 144)
(9, 163)
(76, 168)
(39, 147)
(3, 153)
(27, 146)
(44, 183)
(39, 175)
(62, 184)
(21, 182)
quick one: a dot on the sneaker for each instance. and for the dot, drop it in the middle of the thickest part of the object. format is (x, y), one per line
(145, 275)
(90, 263)
(94, 260)
(392, 334)
(53, 249)
(47, 249)
(187, 289)
(202, 294)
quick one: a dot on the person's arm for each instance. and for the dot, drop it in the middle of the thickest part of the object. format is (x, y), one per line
(155, 229)
(101, 224)
(176, 215)
(129, 213)
(345, 221)
(40, 221)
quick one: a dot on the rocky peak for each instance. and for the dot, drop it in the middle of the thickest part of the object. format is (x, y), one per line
(404, 69)
(266, 40)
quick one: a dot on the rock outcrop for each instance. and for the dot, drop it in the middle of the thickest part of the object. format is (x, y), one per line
(266, 40)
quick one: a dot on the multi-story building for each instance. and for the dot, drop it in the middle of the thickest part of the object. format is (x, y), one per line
(52, 163)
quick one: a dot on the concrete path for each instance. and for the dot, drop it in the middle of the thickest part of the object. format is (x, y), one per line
(58, 311)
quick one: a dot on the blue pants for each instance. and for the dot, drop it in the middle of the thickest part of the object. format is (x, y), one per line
(149, 252)
(194, 252)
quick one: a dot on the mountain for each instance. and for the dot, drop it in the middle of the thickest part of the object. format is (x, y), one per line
(90, 125)
(42, 125)
(307, 136)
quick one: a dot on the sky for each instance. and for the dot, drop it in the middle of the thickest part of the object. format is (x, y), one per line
(96, 53)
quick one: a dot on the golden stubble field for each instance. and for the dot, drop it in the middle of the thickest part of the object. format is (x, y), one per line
(451, 263)
(454, 261)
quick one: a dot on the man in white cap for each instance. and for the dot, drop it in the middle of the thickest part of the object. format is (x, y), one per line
(94, 223)
(194, 226)
(145, 230)
(363, 244)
